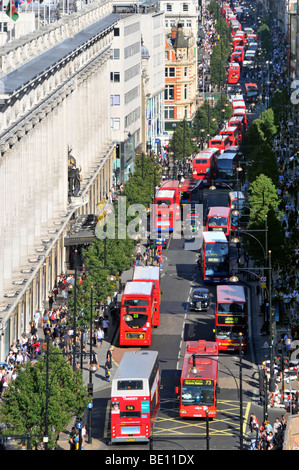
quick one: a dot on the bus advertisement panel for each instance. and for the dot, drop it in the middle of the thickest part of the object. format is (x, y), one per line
(135, 397)
(231, 318)
(198, 383)
(218, 220)
(204, 165)
(151, 274)
(136, 313)
(215, 257)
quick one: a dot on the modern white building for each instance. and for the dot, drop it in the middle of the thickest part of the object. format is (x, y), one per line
(137, 85)
(125, 97)
(154, 81)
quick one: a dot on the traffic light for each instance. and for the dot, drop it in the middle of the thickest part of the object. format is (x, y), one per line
(90, 389)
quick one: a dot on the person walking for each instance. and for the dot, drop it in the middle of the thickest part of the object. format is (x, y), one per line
(100, 337)
(93, 360)
(107, 372)
(51, 300)
(109, 357)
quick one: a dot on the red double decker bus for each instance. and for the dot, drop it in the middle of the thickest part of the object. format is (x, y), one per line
(198, 383)
(233, 134)
(166, 206)
(231, 318)
(204, 165)
(221, 142)
(151, 274)
(218, 220)
(136, 313)
(215, 257)
(234, 71)
(135, 397)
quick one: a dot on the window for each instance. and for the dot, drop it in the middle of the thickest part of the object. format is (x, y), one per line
(185, 92)
(185, 71)
(185, 7)
(188, 23)
(115, 100)
(116, 54)
(115, 77)
(169, 92)
(168, 7)
(169, 72)
(169, 112)
(115, 124)
(166, 23)
(116, 31)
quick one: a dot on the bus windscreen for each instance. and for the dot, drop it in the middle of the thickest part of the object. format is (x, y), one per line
(218, 221)
(200, 392)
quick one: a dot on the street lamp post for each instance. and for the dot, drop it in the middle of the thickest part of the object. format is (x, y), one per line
(111, 277)
(269, 268)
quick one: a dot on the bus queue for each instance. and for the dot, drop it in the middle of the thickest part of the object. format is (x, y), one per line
(141, 300)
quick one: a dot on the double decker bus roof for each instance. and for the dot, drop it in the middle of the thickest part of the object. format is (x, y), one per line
(227, 156)
(219, 210)
(231, 149)
(136, 365)
(218, 137)
(237, 195)
(139, 288)
(170, 184)
(147, 272)
(206, 353)
(214, 237)
(230, 293)
(165, 193)
(190, 184)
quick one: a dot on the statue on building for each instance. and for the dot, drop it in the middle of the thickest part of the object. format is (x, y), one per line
(74, 177)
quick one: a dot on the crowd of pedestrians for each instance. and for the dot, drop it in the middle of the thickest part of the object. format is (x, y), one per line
(57, 323)
(265, 436)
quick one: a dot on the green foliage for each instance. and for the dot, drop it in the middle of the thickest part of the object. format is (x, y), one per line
(181, 143)
(266, 40)
(264, 213)
(258, 147)
(207, 118)
(262, 197)
(23, 408)
(141, 184)
(221, 52)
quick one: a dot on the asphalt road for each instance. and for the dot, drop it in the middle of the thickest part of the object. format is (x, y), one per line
(177, 325)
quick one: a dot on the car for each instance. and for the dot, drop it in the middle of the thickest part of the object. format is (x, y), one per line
(200, 299)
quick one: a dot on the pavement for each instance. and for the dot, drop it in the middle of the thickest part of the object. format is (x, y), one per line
(98, 378)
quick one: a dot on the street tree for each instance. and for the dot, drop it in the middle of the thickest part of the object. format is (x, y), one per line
(23, 407)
